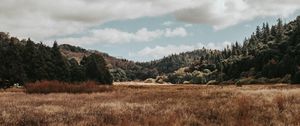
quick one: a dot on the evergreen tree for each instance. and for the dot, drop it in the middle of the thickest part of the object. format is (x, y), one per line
(266, 33)
(279, 30)
(96, 69)
(258, 32)
(13, 67)
(77, 72)
(61, 68)
(34, 62)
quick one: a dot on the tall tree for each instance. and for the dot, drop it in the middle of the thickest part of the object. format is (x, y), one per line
(279, 30)
(61, 67)
(96, 69)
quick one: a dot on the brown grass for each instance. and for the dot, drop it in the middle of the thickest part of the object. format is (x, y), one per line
(45, 87)
(156, 106)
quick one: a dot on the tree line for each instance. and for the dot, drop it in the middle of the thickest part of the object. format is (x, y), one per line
(24, 61)
(270, 55)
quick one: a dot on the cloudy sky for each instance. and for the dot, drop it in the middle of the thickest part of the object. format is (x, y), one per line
(141, 30)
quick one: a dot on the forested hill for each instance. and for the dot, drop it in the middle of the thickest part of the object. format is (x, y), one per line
(173, 62)
(270, 55)
(120, 69)
(24, 61)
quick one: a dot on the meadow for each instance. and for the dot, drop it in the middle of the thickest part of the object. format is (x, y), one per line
(155, 105)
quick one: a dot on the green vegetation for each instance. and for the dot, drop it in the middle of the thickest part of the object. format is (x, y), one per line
(24, 61)
(269, 55)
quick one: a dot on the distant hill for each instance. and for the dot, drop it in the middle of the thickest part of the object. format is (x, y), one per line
(270, 55)
(25, 61)
(173, 62)
(121, 69)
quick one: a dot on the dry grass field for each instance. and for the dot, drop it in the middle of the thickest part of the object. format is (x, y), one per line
(149, 105)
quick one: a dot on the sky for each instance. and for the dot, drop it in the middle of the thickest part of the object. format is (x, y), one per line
(141, 30)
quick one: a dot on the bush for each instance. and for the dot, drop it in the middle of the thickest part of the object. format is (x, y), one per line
(261, 80)
(296, 78)
(149, 80)
(286, 79)
(186, 82)
(45, 87)
(244, 81)
(161, 79)
(199, 79)
(212, 82)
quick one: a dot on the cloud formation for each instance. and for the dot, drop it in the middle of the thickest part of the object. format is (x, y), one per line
(161, 51)
(42, 19)
(113, 36)
(224, 13)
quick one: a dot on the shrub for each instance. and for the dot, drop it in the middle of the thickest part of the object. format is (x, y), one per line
(186, 82)
(296, 78)
(212, 82)
(45, 87)
(161, 79)
(286, 79)
(261, 80)
(149, 80)
(244, 81)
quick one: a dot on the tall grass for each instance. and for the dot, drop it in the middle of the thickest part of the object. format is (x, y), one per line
(174, 105)
(45, 87)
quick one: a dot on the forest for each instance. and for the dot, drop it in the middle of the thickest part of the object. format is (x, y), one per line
(270, 55)
(25, 61)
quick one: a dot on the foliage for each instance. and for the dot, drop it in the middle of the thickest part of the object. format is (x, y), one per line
(267, 55)
(270, 54)
(24, 61)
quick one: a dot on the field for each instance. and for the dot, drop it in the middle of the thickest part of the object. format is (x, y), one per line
(160, 105)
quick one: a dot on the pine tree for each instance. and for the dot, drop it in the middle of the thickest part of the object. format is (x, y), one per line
(77, 72)
(279, 30)
(258, 32)
(96, 69)
(14, 69)
(60, 65)
(31, 61)
(266, 33)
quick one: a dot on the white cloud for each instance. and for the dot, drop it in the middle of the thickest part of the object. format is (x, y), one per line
(42, 19)
(224, 13)
(161, 51)
(180, 31)
(112, 36)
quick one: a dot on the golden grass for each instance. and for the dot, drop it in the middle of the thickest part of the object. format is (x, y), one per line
(46, 87)
(165, 105)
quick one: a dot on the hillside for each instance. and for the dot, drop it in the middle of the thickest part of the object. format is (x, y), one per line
(25, 61)
(121, 69)
(270, 55)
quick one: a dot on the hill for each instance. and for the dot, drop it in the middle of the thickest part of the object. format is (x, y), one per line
(270, 55)
(121, 69)
(25, 61)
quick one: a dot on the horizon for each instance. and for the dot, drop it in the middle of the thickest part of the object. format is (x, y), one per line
(128, 30)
